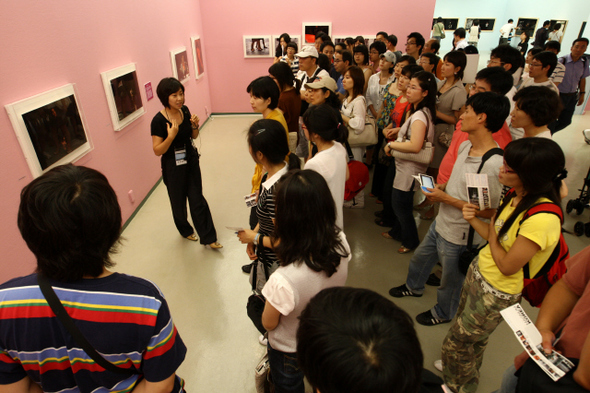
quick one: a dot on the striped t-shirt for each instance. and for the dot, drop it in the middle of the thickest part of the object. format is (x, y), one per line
(125, 318)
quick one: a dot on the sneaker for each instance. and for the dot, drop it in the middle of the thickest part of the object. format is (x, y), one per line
(427, 319)
(433, 280)
(438, 365)
(402, 291)
(263, 340)
(247, 268)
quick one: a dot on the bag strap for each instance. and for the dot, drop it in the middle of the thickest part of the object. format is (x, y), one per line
(349, 151)
(63, 316)
(488, 154)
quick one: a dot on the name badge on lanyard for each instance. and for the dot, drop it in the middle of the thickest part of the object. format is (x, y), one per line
(180, 155)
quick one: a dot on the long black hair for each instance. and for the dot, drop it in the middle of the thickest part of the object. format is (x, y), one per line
(269, 137)
(427, 83)
(305, 222)
(283, 74)
(326, 122)
(540, 165)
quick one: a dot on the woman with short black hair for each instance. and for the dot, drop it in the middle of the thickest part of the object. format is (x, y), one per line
(173, 129)
(361, 59)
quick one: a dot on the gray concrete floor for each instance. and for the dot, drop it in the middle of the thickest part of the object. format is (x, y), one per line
(207, 291)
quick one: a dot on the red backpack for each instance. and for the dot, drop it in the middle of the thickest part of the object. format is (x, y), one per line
(537, 287)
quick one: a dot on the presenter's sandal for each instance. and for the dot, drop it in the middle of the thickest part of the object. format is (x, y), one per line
(215, 245)
(192, 237)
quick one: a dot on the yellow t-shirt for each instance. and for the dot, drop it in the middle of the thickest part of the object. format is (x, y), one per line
(277, 115)
(542, 228)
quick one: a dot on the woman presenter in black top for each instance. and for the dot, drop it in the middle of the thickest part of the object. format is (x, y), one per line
(172, 129)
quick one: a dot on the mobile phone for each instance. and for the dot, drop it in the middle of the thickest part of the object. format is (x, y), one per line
(427, 182)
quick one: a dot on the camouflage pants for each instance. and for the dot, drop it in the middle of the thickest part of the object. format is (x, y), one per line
(477, 317)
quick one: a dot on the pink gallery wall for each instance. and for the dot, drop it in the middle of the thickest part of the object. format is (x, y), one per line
(48, 44)
(226, 21)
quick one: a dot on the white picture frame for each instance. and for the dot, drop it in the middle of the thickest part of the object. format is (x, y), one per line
(294, 38)
(257, 46)
(121, 87)
(179, 60)
(50, 128)
(310, 29)
(198, 58)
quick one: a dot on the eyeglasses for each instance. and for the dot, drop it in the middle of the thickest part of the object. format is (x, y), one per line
(496, 61)
(414, 88)
(337, 60)
(479, 89)
(410, 43)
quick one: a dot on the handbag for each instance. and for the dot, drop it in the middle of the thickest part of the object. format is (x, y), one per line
(262, 376)
(358, 176)
(424, 156)
(366, 138)
(67, 321)
(470, 252)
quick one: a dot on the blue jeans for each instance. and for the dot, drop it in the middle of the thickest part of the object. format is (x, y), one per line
(404, 226)
(432, 249)
(285, 373)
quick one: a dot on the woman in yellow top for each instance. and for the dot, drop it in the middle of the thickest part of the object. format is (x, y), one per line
(264, 99)
(534, 169)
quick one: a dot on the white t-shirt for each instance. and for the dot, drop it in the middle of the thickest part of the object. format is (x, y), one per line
(356, 110)
(531, 82)
(331, 164)
(555, 35)
(462, 44)
(376, 91)
(506, 29)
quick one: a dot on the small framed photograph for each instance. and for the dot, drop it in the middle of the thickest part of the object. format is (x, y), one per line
(339, 39)
(485, 24)
(122, 90)
(198, 56)
(179, 60)
(256, 46)
(50, 128)
(449, 23)
(311, 29)
(276, 41)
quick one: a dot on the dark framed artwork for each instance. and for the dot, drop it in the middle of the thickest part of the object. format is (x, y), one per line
(485, 24)
(563, 24)
(122, 90)
(527, 25)
(50, 128)
(450, 23)
(198, 57)
(179, 60)
(311, 29)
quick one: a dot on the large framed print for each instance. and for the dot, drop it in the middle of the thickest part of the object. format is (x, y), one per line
(276, 40)
(198, 56)
(179, 59)
(50, 128)
(485, 24)
(563, 24)
(256, 46)
(449, 23)
(526, 25)
(122, 90)
(311, 29)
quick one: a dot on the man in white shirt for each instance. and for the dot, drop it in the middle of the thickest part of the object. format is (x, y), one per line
(505, 31)
(541, 68)
(459, 38)
(309, 71)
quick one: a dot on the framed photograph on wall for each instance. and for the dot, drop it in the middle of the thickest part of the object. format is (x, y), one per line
(294, 38)
(527, 25)
(257, 46)
(198, 56)
(450, 23)
(179, 59)
(311, 29)
(50, 128)
(563, 24)
(582, 28)
(339, 39)
(485, 24)
(122, 90)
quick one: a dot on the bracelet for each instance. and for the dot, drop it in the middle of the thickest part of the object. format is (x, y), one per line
(256, 239)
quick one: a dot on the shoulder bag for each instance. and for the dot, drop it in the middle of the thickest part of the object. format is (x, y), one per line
(424, 156)
(366, 138)
(67, 321)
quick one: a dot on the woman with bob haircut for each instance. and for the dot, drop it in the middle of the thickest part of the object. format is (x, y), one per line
(361, 59)
(268, 146)
(289, 99)
(534, 108)
(322, 125)
(71, 220)
(305, 213)
(417, 129)
(173, 129)
(534, 169)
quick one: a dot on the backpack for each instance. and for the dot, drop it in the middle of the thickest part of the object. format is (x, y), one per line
(536, 288)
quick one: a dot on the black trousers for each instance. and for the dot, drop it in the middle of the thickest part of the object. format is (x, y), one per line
(184, 183)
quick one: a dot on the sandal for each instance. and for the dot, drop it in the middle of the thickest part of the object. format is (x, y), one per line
(192, 238)
(215, 245)
(404, 250)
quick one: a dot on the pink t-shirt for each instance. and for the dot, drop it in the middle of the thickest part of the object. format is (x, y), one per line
(502, 138)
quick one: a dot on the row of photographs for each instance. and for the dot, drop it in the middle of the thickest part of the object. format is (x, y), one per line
(528, 25)
(51, 128)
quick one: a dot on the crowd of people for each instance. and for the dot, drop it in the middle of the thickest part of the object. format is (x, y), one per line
(405, 115)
